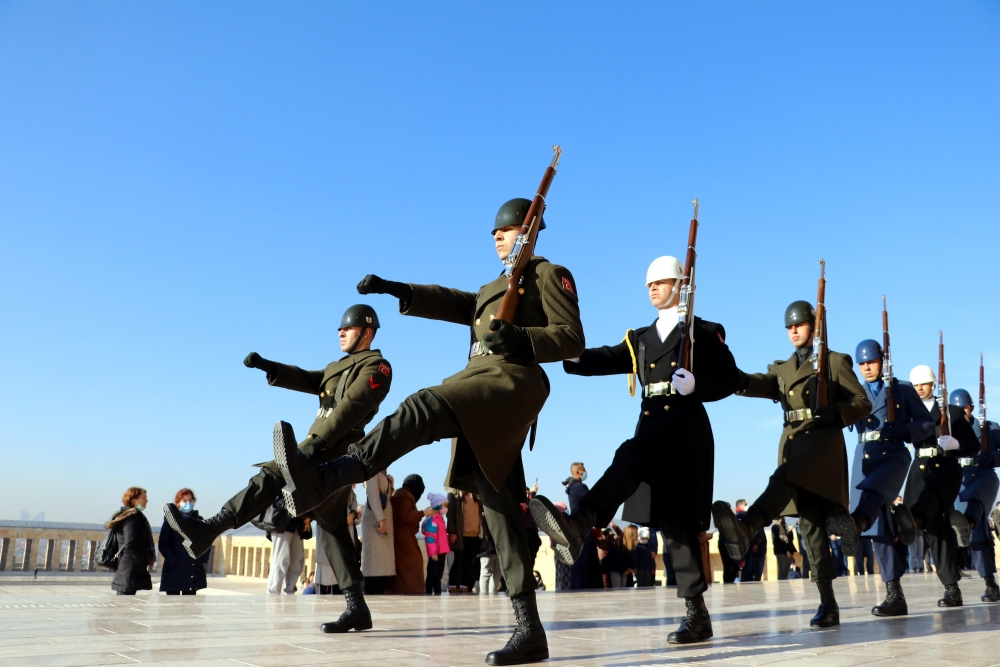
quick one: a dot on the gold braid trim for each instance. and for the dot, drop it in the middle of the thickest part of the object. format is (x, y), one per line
(635, 369)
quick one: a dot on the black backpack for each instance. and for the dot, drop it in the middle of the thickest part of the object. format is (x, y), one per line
(109, 554)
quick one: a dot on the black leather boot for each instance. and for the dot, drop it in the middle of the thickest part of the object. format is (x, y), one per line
(566, 531)
(895, 602)
(828, 613)
(355, 617)
(843, 526)
(952, 596)
(992, 593)
(307, 483)
(906, 526)
(963, 532)
(528, 643)
(696, 626)
(198, 534)
(736, 531)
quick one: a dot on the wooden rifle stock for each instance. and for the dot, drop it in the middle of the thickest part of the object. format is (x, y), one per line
(943, 389)
(524, 248)
(984, 436)
(820, 350)
(685, 310)
(887, 364)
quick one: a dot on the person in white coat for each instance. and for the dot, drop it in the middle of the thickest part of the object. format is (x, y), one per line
(378, 554)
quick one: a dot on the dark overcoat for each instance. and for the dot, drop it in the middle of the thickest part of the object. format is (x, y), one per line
(135, 540)
(816, 458)
(881, 465)
(673, 432)
(942, 472)
(495, 399)
(979, 482)
(409, 579)
(180, 571)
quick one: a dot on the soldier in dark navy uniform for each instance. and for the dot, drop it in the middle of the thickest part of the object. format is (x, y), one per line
(979, 490)
(881, 461)
(933, 483)
(673, 451)
(350, 391)
(811, 478)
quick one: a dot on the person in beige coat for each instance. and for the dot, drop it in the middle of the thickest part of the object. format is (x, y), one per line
(378, 553)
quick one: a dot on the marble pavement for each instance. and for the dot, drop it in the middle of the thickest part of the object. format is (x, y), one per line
(232, 624)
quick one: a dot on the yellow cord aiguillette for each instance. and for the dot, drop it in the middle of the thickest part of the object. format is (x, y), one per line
(635, 368)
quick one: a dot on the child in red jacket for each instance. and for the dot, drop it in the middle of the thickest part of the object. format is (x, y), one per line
(436, 540)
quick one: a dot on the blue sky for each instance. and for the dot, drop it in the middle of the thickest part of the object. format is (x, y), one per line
(181, 185)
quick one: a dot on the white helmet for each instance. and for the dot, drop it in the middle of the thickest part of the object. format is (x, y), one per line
(644, 531)
(664, 268)
(922, 375)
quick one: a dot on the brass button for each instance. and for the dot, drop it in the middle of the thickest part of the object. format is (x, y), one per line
(520, 290)
(322, 393)
(652, 365)
(666, 407)
(477, 321)
(673, 364)
(791, 393)
(897, 406)
(937, 465)
(869, 420)
(921, 467)
(883, 453)
(492, 317)
(645, 412)
(866, 456)
(791, 437)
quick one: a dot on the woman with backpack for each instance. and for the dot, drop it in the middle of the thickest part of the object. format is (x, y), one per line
(136, 551)
(182, 575)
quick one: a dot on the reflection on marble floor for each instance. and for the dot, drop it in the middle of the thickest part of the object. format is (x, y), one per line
(68, 624)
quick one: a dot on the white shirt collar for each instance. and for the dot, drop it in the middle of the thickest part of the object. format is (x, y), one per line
(665, 322)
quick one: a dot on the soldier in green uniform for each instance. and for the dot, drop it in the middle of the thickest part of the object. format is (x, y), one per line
(488, 410)
(350, 391)
(812, 475)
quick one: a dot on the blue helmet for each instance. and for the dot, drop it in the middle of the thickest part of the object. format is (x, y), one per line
(868, 350)
(960, 398)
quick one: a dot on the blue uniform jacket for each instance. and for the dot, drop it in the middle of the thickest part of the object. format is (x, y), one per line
(980, 482)
(881, 465)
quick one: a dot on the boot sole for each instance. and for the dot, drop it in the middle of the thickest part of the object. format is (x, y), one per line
(549, 519)
(673, 639)
(564, 554)
(991, 597)
(961, 527)
(537, 656)
(843, 525)
(905, 525)
(725, 521)
(176, 523)
(357, 627)
(880, 614)
(286, 455)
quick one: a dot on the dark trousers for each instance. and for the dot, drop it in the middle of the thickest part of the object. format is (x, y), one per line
(983, 558)
(931, 510)
(465, 567)
(435, 571)
(814, 510)
(265, 487)
(425, 417)
(784, 562)
(891, 562)
(628, 469)
(864, 560)
(730, 570)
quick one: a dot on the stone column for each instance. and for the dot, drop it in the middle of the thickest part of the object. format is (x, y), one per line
(91, 565)
(50, 547)
(81, 549)
(27, 565)
(6, 554)
(71, 557)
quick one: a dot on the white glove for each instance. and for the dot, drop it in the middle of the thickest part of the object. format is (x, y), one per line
(948, 443)
(684, 382)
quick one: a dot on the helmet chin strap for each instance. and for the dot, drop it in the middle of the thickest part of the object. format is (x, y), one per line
(358, 341)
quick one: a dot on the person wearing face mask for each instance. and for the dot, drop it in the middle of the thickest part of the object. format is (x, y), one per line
(135, 544)
(934, 482)
(350, 391)
(487, 410)
(665, 472)
(575, 487)
(811, 479)
(181, 574)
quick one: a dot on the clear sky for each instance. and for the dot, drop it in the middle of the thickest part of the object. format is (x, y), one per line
(181, 185)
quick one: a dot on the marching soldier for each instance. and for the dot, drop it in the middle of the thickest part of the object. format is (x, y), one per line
(979, 490)
(811, 478)
(673, 435)
(933, 484)
(488, 409)
(350, 391)
(880, 465)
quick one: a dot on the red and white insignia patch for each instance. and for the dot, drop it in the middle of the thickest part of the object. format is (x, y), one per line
(384, 369)
(568, 286)
(373, 384)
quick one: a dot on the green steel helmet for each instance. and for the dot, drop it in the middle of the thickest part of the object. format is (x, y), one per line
(513, 213)
(799, 312)
(359, 315)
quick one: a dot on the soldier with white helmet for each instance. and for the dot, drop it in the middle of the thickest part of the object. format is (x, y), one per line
(671, 455)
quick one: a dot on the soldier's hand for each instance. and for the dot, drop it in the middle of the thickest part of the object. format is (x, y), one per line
(254, 360)
(372, 284)
(509, 339)
(828, 416)
(895, 431)
(948, 443)
(683, 380)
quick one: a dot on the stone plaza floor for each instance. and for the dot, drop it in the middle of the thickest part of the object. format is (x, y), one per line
(232, 624)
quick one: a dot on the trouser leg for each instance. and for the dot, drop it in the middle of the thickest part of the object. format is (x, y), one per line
(615, 486)
(782, 566)
(336, 541)
(296, 562)
(890, 561)
(944, 549)
(502, 509)
(455, 571)
(813, 512)
(262, 490)
(776, 496)
(470, 559)
(983, 558)
(685, 553)
(869, 507)
(280, 558)
(916, 551)
(420, 419)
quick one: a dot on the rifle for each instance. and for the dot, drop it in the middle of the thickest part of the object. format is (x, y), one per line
(820, 350)
(984, 435)
(943, 389)
(685, 310)
(516, 263)
(887, 364)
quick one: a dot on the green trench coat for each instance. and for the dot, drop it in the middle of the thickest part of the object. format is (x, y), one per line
(816, 457)
(496, 400)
